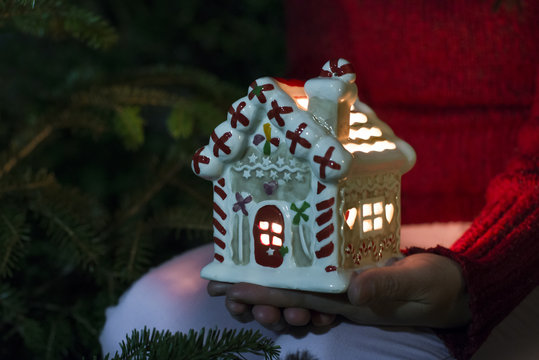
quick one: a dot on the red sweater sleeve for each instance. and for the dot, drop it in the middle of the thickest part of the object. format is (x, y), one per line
(499, 254)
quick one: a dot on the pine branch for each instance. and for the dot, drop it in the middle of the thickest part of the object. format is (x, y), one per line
(163, 177)
(215, 344)
(184, 218)
(13, 234)
(202, 83)
(71, 220)
(37, 139)
(59, 20)
(125, 95)
(134, 252)
(25, 181)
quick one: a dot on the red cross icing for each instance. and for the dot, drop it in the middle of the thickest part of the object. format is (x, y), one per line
(296, 138)
(276, 112)
(258, 91)
(220, 143)
(199, 159)
(237, 115)
(326, 162)
(336, 70)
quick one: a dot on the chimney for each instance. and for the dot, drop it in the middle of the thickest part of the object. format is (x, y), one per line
(331, 95)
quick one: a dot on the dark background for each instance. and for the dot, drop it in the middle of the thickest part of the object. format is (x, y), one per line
(102, 104)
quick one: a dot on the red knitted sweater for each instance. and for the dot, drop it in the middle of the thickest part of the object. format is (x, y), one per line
(457, 80)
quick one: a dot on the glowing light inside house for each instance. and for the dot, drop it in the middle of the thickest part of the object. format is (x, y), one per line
(263, 225)
(389, 212)
(357, 118)
(276, 228)
(350, 217)
(378, 208)
(277, 241)
(378, 223)
(367, 225)
(302, 102)
(265, 239)
(378, 146)
(367, 209)
(364, 133)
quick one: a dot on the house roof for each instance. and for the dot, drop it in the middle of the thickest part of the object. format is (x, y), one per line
(309, 132)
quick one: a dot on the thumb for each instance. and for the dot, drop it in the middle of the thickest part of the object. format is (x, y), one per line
(380, 284)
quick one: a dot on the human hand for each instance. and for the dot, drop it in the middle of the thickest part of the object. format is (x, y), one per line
(419, 290)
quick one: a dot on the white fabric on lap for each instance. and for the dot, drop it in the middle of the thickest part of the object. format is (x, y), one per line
(173, 297)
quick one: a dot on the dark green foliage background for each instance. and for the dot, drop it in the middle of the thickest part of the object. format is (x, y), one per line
(102, 104)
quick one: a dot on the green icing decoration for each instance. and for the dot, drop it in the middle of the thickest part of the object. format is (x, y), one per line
(300, 212)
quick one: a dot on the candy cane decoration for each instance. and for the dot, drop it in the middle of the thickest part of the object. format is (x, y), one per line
(219, 231)
(325, 234)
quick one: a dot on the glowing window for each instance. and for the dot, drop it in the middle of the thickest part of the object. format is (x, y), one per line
(303, 102)
(276, 228)
(364, 133)
(350, 217)
(378, 223)
(263, 225)
(378, 208)
(357, 118)
(378, 146)
(277, 241)
(389, 212)
(367, 209)
(367, 225)
(372, 216)
(265, 239)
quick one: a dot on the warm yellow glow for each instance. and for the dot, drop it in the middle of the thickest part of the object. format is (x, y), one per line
(276, 228)
(367, 225)
(367, 209)
(378, 208)
(378, 223)
(378, 146)
(350, 217)
(277, 241)
(357, 118)
(389, 212)
(302, 102)
(263, 225)
(265, 239)
(364, 133)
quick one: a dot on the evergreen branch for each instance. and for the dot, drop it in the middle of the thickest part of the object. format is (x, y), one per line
(27, 149)
(72, 220)
(205, 84)
(27, 182)
(215, 344)
(12, 236)
(162, 178)
(123, 95)
(133, 254)
(184, 218)
(204, 199)
(57, 19)
(134, 250)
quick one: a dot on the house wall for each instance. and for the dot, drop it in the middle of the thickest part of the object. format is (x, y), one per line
(372, 234)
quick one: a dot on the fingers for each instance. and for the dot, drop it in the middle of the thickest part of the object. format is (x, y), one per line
(239, 311)
(269, 317)
(377, 284)
(217, 288)
(297, 316)
(322, 319)
(422, 289)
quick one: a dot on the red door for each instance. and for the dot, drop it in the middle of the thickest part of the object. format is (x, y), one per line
(268, 234)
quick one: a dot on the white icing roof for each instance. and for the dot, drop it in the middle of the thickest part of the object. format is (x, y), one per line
(308, 134)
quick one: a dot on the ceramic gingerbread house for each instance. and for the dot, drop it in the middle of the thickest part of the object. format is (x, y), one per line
(306, 184)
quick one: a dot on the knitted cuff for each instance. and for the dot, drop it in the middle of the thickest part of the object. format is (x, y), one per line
(498, 258)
